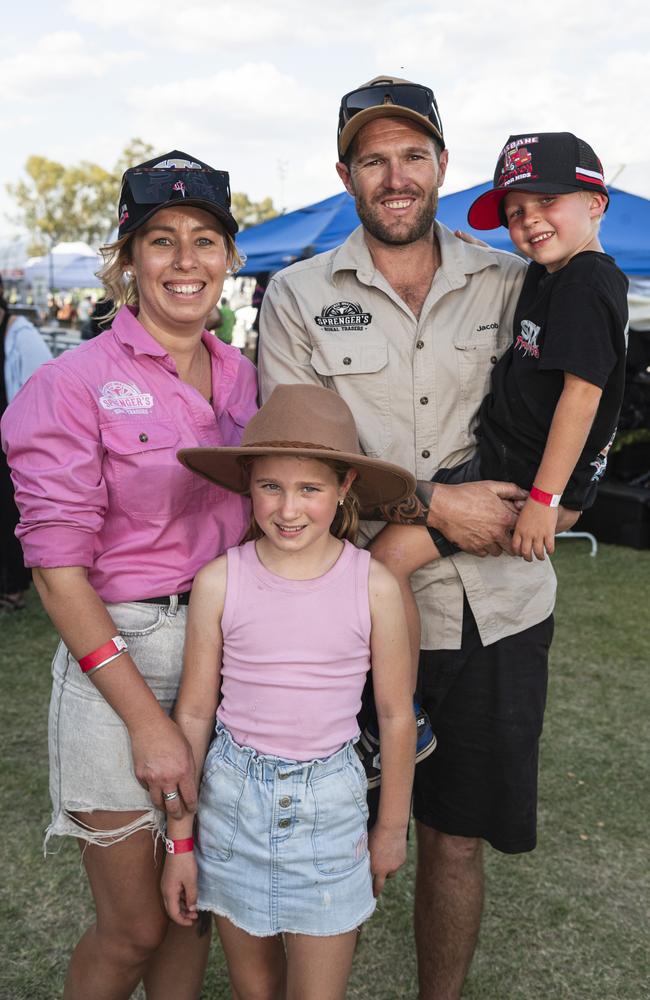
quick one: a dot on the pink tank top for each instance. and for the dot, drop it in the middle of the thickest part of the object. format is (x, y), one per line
(295, 655)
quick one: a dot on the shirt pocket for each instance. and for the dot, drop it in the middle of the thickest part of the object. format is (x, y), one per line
(476, 355)
(143, 476)
(359, 373)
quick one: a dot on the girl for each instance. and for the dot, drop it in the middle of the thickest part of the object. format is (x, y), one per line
(289, 623)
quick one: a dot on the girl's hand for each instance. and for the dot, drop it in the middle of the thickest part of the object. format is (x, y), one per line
(534, 533)
(163, 762)
(387, 853)
(178, 887)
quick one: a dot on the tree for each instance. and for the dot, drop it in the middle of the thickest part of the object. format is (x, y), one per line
(249, 213)
(58, 202)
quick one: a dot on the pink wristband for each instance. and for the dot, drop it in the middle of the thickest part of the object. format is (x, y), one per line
(179, 846)
(102, 654)
(548, 499)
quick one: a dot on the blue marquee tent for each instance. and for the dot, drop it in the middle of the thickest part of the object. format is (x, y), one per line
(625, 232)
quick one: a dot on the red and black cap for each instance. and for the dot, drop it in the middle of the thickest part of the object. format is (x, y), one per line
(171, 179)
(550, 162)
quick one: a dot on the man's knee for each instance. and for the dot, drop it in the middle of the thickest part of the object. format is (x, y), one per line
(437, 849)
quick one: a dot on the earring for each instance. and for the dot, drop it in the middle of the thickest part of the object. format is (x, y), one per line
(341, 501)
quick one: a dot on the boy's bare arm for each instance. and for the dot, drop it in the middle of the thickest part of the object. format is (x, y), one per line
(572, 420)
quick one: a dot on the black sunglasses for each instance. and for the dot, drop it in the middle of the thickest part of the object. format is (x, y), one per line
(404, 95)
(154, 185)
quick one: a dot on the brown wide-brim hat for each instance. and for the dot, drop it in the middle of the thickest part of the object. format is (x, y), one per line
(304, 421)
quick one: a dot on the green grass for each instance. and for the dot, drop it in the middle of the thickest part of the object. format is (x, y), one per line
(568, 922)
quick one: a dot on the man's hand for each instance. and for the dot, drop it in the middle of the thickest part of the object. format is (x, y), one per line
(534, 534)
(478, 517)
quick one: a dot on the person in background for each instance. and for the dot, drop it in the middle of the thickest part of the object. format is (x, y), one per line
(22, 350)
(115, 529)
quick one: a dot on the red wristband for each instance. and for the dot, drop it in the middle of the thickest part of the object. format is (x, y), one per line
(112, 648)
(179, 846)
(548, 499)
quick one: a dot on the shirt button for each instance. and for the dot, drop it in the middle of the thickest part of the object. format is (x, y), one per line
(420, 345)
(426, 454)
(424, 400)
(284, 823)
(493, 359)
(144, 437)
(347, 361)
(285, 801)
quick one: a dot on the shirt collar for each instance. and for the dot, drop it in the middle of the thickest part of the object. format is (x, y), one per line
(129, 331)
(458, 258)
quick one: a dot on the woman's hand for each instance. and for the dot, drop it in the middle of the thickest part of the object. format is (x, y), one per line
(178, 887)
(387, 853)
(163, 763)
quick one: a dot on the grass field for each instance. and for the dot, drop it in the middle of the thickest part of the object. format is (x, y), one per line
(568, 922)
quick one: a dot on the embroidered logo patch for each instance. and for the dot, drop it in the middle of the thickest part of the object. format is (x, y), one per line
(126, 397)
(343, 316)
(526, 342)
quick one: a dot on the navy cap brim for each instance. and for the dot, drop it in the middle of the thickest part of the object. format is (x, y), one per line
(224, 217)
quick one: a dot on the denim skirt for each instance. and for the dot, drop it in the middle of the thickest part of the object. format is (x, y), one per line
(283, 845)
(89, 748)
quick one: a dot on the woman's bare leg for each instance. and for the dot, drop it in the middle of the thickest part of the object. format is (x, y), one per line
(131, 926)
(256, 965)
(318, 968)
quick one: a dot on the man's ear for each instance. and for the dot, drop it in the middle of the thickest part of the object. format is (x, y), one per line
(344, 173)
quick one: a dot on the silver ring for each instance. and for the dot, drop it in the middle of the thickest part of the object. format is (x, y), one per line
(168, 796)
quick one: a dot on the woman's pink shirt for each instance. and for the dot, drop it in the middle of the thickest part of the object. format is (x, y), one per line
(92, 440)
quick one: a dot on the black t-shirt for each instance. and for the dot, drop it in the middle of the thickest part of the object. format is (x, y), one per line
(574, 320)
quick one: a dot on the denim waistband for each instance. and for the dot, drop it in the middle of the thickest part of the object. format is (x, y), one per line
(265, 767)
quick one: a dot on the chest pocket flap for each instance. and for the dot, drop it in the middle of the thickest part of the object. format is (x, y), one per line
(139, 436)
(344, 358)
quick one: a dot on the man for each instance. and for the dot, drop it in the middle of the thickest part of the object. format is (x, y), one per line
(404, 320)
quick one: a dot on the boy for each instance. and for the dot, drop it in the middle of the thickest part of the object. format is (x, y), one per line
(550, 417)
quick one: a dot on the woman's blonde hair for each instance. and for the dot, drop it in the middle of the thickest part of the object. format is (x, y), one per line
(346, 520)
(120, 284)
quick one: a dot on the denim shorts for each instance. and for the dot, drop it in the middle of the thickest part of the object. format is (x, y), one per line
(283, 845)
(89, 748)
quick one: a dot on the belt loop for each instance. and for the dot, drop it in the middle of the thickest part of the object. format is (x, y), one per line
(173, 605)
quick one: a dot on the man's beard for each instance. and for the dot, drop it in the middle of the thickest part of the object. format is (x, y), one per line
(394, 233)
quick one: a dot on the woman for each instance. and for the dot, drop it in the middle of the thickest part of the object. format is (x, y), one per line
(22, 350)
(115, 529)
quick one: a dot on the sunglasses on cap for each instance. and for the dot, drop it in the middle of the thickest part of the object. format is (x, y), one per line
(154, 185)
(404, 95)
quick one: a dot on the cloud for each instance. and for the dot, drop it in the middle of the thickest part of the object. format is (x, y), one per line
(53, 63)
(220, 25)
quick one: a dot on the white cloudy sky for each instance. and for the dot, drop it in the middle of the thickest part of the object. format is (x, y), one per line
(253, 86)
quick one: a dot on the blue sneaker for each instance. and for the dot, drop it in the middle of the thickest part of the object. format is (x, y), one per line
(367, 747)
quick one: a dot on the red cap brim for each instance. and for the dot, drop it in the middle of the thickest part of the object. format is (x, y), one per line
(484, 212)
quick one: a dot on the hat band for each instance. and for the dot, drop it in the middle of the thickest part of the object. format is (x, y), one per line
(297, 445)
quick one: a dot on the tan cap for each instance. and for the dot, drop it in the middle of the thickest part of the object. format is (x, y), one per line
(349, 125)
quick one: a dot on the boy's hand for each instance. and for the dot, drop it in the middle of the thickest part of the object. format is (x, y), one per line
(387, 853)
(534, 532)
(178, 887)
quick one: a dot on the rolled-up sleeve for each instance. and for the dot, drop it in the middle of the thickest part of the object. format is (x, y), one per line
(51, 438)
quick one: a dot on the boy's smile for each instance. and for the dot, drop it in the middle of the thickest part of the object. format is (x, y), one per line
(553, 228)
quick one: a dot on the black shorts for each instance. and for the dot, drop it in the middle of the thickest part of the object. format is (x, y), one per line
(486, 705)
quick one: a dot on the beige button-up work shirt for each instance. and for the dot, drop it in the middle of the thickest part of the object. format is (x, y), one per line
(414, 386)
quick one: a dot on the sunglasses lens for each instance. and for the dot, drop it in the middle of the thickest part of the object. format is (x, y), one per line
(418, 99)
(154, 185)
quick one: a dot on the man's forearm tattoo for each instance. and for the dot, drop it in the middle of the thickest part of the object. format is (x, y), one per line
(413, 510)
